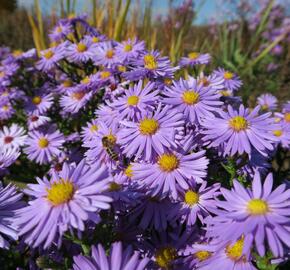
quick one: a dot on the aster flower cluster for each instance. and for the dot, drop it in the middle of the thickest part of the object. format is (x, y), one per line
(132, 163)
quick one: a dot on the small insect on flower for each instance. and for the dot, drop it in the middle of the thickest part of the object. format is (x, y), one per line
(109, 144)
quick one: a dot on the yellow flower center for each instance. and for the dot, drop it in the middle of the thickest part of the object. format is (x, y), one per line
(277, 133)
(225, 93)
(78, 95)
(67, 83)
(17, 53)
(94, 128)
(193, 55)
(95, 39)
(228, 75)
(257, 207)
(265, 107)
(128, 48)
(43, 142)
(5, 108)
(48, 54)
(36, 100)
(129, 171)
(202, 255)
(2, 74)
(105, 74)
(235, 251)
(60, 192)
(121, 68)
(59, 29)
(168, 81)
(81, 47)
(111, 139)
(190, 97)
(133, 100)
(191, 197)
(204, 81)
(168, 162)
(238, 123)
(277, 119)
(148, 126)
(150, 61)
(114, 186)
(85, 80)
(165, 256)
(287, 117)
(110, 54)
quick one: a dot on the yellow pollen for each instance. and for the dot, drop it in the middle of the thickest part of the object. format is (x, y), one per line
(95, 39)
(287, 117)
(128, 48)
(202, 255)
(235, 251)
(85, 80)
(225, 93)
(110, 54)
(133, 100)
(165, 256)
(238, 123)
(168, 162)
(129, 172)
(191, 197)
(265, 107)
(190, 97)
(36, 100)
(81, 47)
(111, 138)
(257, 207)
(168, 81)
(17, 53)
(43, 142)
(114, 186)
(122, 68)
(94, 128)
(67, 83)
(193, 55)
(228, 75)
(150, 61)
(48, 54)
(78, 95)
(5, 107)
(59, 29)
(148, 126)
(60, 192)
(277, 133)
(105, 74)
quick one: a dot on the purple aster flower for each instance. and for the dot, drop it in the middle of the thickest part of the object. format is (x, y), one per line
(195, 58)
(42, 146)
(7, 157)
(60, 31)
(82, 51)
(9, 203)
(39, 104)
(231, 80)
(283, 135)
(90, 130)
(212, 81)
(108, 114)
(6, 110)
(129, 49)
(195, 203)
(106, 55)
(72, 197)
(35, 121)
(192, 99)
(118, 259)
(171, 172)
(267, 102)
(256, 214)
(241, 130)
(136, 101)
(153, 134)
(50, 57)
(12, 137)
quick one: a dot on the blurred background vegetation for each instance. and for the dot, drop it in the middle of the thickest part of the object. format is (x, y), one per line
(249, 41)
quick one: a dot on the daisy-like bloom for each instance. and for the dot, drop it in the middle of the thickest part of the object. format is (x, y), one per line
(241, 130)
(118, 258)
(9, 202)
(150, 65)
(82, 51)
(8, 157)
(71, 197)
(195, 58)
(90, 130)
(192, 99)
(283, 135)
(231, 80)
(256, 214)
(129, 49)
(42, 146)
(60, 31)
(6, 110)
(35, 121)
(153, 134)
(12, 137)
(212, 81)
(39, 104)
(171, 172)
(196, 203)
(106, 55)
(50, 57)
(75, 101)
(267, 102)
(137, 100)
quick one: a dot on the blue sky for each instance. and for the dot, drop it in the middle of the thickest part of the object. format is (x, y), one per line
(160, 6)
